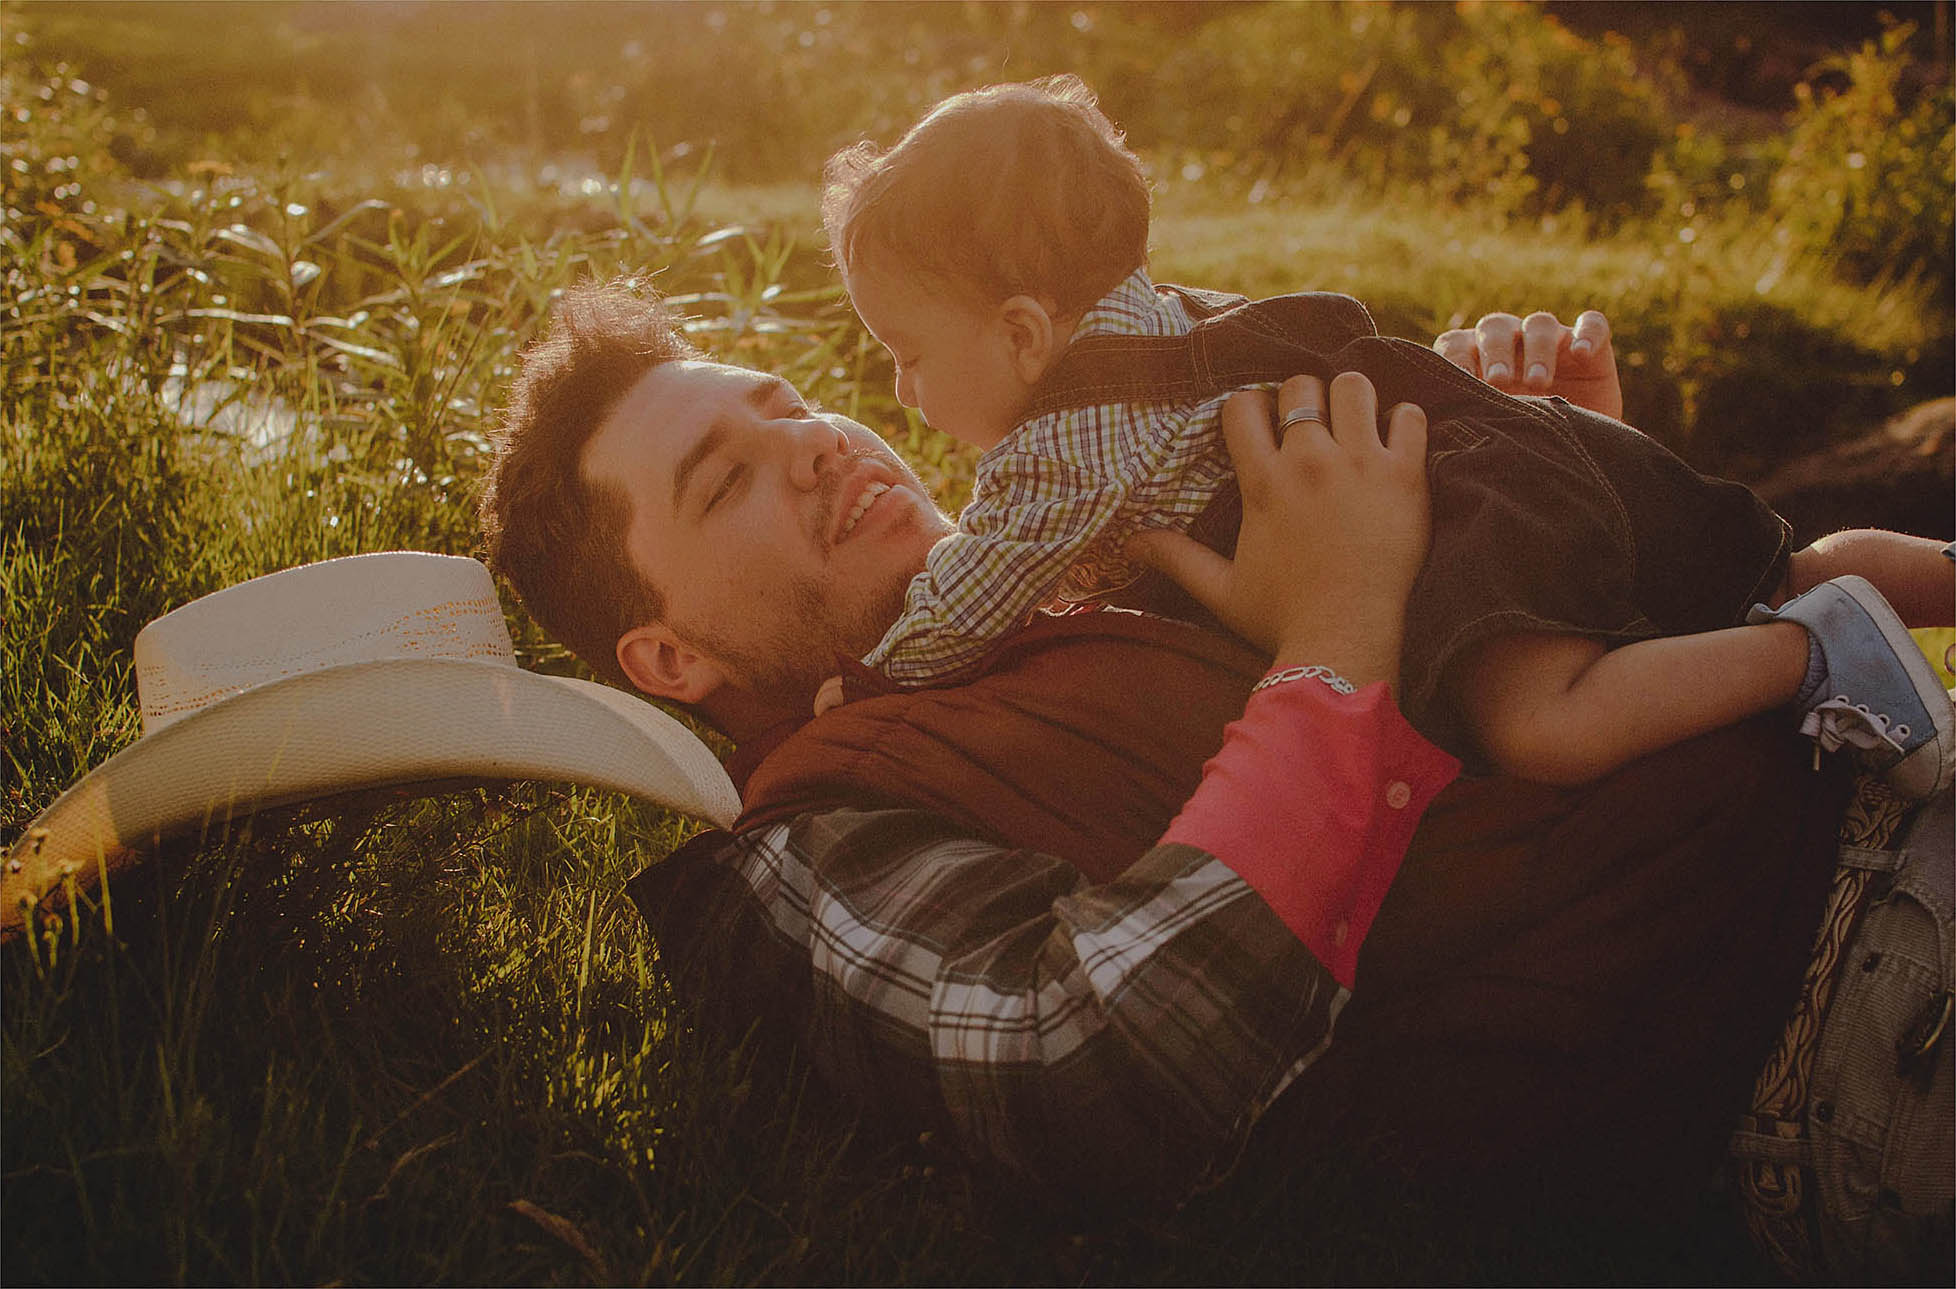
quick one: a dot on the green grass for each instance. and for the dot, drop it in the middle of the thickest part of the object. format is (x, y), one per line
(395, 1040)
(1735, 348)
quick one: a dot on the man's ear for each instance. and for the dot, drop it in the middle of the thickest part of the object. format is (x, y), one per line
(664, 666)
(1032, 333)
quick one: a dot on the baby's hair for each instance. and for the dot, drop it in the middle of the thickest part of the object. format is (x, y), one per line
(1007, 190)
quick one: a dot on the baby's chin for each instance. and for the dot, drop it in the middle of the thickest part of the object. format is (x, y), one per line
(986, 437)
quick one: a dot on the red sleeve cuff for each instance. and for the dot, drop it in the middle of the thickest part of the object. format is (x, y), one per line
(1313, 800)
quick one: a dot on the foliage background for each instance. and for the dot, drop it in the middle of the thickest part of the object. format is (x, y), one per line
(264, 269)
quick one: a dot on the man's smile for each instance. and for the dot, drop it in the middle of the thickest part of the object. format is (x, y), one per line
(868, 498)
(864, 481)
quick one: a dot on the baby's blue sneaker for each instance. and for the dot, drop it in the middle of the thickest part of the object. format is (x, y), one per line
(1868, 687)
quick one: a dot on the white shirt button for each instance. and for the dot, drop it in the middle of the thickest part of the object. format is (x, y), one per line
(1398, 795)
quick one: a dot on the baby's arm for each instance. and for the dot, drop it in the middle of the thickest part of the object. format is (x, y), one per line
(1023, 529)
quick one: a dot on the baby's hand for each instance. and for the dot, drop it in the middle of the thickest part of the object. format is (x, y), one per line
(1539, 355)
(829, 696)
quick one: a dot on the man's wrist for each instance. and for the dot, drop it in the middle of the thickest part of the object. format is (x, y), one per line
(1315, 672)
(1360, 657)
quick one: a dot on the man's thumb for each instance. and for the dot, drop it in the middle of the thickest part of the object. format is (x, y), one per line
(1194, 567)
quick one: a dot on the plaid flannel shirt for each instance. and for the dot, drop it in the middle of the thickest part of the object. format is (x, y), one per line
(1054, 501)
(1104, 1042)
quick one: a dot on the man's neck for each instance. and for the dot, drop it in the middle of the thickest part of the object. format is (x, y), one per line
(744, 716)
(756, 727)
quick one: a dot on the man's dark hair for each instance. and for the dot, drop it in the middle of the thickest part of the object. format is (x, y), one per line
(558, 539)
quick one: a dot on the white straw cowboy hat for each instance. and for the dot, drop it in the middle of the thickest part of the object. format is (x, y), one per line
(374, 669)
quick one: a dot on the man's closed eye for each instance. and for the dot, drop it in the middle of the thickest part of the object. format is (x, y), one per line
(731, 483)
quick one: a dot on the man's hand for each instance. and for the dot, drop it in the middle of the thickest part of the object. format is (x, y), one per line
(1334, 529)
(1538, 355)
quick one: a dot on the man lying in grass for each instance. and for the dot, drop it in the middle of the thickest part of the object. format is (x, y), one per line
(730, 542)
(1019, 910)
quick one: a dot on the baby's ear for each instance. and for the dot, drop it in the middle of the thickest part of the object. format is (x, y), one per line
(1033, 334)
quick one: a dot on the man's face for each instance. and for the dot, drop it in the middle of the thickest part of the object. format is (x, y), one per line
(781, 537)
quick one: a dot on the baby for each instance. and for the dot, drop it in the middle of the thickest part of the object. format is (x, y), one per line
(1588, 598)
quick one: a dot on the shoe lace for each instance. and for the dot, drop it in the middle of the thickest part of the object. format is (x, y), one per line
(1839, 722)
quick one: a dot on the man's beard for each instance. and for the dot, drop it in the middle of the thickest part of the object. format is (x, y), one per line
(805, 646)
(816, 632)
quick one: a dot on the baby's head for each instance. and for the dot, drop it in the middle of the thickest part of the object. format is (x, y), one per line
(973, 246)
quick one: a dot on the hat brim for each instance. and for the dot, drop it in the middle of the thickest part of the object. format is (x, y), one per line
(355, 726)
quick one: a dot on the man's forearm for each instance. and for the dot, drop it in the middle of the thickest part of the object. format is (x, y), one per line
(1111, 1041)
(1313, 799)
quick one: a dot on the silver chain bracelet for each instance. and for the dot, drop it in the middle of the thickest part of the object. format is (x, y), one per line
(1338, 684)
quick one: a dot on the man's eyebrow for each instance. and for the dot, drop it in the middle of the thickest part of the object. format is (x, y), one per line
(762, 393)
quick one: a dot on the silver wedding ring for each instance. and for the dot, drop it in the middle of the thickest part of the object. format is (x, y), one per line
(1298, 415)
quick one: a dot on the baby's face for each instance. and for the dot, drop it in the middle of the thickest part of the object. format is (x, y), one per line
(954, 358)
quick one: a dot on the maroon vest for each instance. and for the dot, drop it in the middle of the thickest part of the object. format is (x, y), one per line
(1560, 979)
(1082, 738)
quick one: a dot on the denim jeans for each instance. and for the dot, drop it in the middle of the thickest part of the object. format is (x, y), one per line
(1546, 517)
(1847, 1160)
